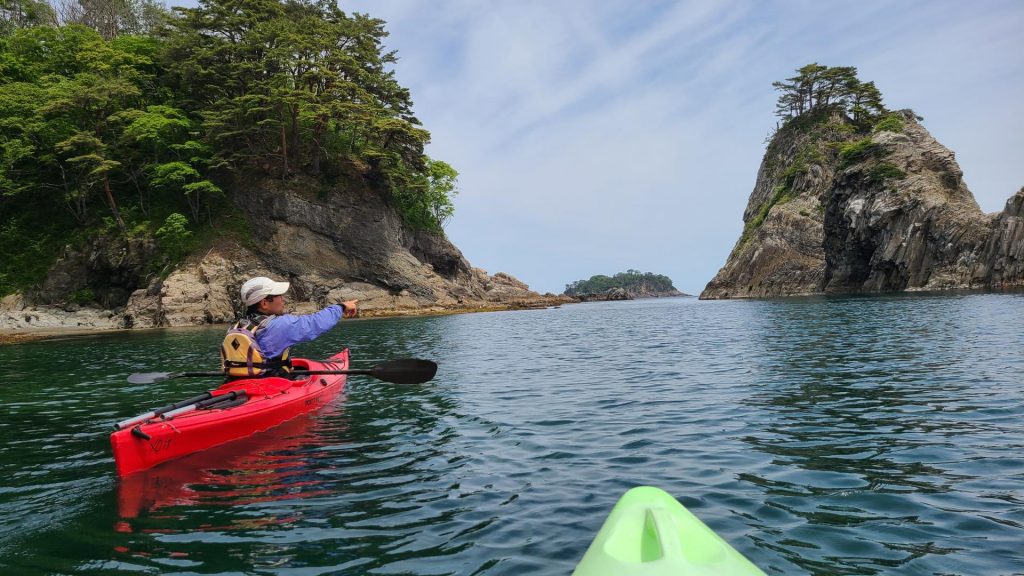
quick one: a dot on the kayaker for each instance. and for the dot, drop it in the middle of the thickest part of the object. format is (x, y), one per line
(257, 345)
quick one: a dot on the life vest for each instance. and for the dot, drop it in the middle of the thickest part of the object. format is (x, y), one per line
(241, 356)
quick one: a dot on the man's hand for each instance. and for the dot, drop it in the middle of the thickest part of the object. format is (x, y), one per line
(351, 308)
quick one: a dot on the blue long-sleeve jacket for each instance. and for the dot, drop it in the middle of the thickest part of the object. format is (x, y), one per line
(284, 331)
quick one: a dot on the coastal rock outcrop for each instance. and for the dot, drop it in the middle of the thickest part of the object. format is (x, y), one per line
(609, 295)
(105, 271)
(331, 246)
(834, 211)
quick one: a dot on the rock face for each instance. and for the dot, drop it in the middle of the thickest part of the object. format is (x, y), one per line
(834, 211)
(613, 294)
(331, 246)
(109, 268)
(647, 292)
(609, 295)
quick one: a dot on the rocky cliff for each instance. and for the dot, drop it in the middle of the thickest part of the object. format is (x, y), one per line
(331, 245)
(840, 209)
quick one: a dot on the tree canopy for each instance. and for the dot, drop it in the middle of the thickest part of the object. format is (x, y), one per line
(116, 114)
(633, 281)
(816, 87)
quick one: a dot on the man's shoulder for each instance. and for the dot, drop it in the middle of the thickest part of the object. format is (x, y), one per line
(252, 323)
(279, 321)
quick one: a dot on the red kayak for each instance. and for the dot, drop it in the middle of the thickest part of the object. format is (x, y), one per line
(235, 410)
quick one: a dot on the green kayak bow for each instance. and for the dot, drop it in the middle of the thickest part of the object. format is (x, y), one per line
(649, 533)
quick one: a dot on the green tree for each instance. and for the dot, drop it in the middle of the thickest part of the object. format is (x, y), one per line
(442, 187)
(174, 237)
(113, 18)
(118, 106)
(182, 177)
(271, 80)
(817, 87)
(25, 13)
(87, 156)
(149, 137)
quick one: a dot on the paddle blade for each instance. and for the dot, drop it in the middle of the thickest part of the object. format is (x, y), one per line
(410, 371)
(150, 377)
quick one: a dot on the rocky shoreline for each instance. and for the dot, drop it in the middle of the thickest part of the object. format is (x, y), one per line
(49, 322)
(615, 294)
(346, 245)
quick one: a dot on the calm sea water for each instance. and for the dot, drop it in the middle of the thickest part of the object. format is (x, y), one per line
(818, 436)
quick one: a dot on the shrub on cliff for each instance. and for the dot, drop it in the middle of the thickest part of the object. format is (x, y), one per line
(889, 123)
(858, 150)
(174, 237)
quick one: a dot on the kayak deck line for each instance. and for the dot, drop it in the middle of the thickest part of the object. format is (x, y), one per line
(649, 533)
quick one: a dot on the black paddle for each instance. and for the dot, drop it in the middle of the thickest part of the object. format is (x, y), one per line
(407, 371)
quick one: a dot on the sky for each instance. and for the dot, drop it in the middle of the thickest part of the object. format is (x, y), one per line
(592, 137)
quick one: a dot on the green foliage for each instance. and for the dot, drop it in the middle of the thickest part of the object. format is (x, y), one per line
(780, 195)
(859, 150)
(83, 296)
(841, 128)
(865, 150)
(30, 245)
(883, 171)
(632, 281)
(429, 205)
(16, 14)
(817, 87)
(785, 190)
(801, 164)
(174, 237)
(889, 123)
(128, 114)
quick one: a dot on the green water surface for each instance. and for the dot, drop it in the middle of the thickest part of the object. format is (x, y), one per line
(818, 436)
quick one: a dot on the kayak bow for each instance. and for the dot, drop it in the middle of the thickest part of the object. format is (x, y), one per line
(649, 533)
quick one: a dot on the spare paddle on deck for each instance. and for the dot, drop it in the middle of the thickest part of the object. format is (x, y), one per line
(158, 411)
(407, 371)
(208, 403)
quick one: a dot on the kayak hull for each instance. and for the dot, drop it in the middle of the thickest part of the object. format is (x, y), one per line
(649, 533)
(271, 401)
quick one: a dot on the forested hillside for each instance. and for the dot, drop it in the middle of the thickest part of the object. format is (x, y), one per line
(119, 119)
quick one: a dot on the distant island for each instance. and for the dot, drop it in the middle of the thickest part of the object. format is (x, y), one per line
(623, 286)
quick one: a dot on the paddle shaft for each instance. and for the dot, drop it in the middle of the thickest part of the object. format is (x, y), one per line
(408, 371)
(204, 404)
(158, 411)
(292, 373)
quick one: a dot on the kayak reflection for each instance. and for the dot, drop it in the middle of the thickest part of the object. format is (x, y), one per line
(269, 466)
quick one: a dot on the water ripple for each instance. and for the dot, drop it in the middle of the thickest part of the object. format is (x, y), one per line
(818, 436)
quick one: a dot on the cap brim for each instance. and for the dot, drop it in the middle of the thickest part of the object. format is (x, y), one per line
(278, 288)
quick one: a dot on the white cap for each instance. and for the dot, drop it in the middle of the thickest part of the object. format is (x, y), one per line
(259, 288)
